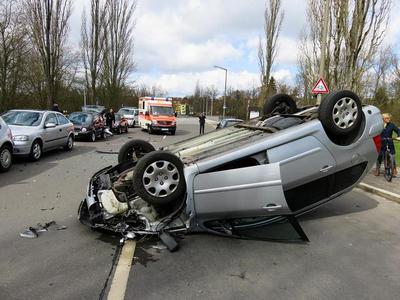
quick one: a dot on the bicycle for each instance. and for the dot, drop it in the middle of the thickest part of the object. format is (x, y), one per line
(388, 161)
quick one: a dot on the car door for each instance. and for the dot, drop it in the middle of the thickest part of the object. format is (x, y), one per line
(65, 128)
(307, 171)
(241, 192)
(51, 134)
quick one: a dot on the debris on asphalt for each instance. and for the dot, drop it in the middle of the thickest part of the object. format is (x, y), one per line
(33, 232)
(107, 152)
(43, 209)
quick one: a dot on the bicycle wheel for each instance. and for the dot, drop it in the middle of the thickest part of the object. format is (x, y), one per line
(388, 162)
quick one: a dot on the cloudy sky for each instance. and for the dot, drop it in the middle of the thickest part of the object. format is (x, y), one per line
(177, 42)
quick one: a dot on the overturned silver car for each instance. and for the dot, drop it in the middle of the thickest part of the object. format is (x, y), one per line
(245, 176)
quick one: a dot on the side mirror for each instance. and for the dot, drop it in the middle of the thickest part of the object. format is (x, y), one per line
(49, 125)
(147, 113)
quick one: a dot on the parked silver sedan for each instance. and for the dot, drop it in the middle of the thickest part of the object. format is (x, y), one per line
(37, 131)
(6, 147)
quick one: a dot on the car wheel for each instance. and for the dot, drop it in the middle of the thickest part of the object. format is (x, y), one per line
(341, 113)
(126, 128)
(36, 151)
(159, 179)
(150, 129)
(281, 104)
(70, 144)
(5, 158)
(93, 136)
(119, 130)
(172, 132)
(133, 150)
(134, 123)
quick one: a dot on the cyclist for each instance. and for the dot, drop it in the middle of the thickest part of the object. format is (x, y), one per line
(386, 137)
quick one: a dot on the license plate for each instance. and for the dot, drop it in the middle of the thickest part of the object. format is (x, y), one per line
(164, 129)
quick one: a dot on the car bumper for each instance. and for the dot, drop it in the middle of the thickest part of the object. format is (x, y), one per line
(82, 135)
(22, 148)
(130, 122)
(163, 128)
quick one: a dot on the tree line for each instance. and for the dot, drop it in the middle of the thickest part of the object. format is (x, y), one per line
(38, 66)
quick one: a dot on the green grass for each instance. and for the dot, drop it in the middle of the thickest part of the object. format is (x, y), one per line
(397, 148)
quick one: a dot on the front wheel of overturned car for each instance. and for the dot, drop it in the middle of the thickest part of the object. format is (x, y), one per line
(159, 178)
(5, 158)
(133, 150)
(341, 113)
(280, 104)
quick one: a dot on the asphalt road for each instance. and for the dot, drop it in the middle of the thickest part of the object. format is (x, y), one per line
(352, 254)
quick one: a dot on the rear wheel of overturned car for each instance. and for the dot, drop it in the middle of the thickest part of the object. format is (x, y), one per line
(5, 158)
(159, 179)
(36, 150)
(341, 113)
(280, 104)
(133, 150)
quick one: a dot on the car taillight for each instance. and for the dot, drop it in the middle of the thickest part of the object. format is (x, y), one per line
(378, 142)
(9, 133)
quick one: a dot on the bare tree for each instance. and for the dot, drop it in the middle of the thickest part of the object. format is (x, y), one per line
(13, 50)
(273, 17)
(92, 45)
(356, 31)
(118, 61)
(48, 27)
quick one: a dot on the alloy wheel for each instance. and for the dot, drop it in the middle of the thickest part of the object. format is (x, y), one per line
(161, 178)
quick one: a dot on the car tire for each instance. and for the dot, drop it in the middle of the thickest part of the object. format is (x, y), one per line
(281, 104)
(150, 130)
(92, 136)
(341, 113)
(126, 128)
(36, 150)
(70, 144)
(119, 130)
(133, 150)
(159, 180)
(5, 158)
(172, 132)
(133, 124)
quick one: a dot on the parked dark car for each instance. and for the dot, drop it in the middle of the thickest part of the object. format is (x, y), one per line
(88, 125)
(228, 122)
(121, 124)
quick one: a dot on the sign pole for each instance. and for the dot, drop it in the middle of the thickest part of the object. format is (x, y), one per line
(323, 46)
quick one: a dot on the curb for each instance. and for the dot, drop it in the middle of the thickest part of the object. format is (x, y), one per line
(380, 192)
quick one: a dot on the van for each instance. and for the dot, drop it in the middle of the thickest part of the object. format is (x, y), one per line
(157, 114)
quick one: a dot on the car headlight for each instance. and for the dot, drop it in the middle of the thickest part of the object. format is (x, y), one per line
(21, 138)
(84, 129)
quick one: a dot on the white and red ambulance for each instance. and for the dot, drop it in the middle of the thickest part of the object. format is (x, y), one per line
(157, 114)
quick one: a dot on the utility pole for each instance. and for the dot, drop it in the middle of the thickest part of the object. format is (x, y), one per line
(323, 45)
(226, 77)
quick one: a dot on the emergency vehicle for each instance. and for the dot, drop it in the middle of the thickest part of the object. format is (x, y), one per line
(157, 114)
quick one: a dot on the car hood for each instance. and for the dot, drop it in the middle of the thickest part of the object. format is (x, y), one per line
(23, 130)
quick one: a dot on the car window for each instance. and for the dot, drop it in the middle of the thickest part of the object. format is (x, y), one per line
(23, 118)
(51, 118)
(62, 120)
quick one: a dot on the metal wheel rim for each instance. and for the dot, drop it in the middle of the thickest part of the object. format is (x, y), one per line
(70, 143)
(161, 178)
(345, 113)
(93, 137)
(36, 151)
(5, 158)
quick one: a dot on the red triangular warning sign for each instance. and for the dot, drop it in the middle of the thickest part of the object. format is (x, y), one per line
(320, 87)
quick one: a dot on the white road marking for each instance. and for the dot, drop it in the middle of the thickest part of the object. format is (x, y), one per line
(121, 275)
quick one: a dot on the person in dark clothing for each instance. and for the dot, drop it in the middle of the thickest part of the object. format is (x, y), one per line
(202, 121)
(56, 108)
(386, 138)
(110, 118)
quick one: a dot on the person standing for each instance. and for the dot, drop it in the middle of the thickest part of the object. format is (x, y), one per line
(56, 108)
(202, 121)
(110, 119)
(386, 138)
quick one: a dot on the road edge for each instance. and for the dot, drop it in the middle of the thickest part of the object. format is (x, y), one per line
(380, 192)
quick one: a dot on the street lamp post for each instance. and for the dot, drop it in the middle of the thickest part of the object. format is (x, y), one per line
(226, 76)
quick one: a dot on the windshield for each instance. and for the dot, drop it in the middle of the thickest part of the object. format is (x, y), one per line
(23, 118)
(125, 111)
(80, 118)
(162, 110)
